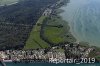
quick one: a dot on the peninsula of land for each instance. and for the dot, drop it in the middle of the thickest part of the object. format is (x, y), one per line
(47, 37)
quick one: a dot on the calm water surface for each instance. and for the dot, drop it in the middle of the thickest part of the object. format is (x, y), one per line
(84, 19)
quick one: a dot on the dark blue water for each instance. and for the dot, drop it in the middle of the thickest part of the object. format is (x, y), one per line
(47, 64)
(84, 19)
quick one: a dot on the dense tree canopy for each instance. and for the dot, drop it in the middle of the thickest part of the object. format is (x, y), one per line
(17, 20)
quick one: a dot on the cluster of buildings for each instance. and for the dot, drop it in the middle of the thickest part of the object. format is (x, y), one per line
(18, 55)
(70, 51)
(47, 12)
(77, 51)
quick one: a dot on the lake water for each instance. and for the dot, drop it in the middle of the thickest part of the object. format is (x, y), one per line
(47, 64)
(83, 17)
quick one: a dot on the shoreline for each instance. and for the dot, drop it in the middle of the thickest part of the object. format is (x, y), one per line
(77, 41)
(85, 44)
(55, 15)
(75, 32)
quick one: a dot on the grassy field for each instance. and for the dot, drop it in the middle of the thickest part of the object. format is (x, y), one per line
(34, 41)
(57, 34)
(53, 34)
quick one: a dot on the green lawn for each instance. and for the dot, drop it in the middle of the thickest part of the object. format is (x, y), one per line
(55, 34)
(34, 41)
